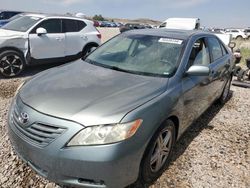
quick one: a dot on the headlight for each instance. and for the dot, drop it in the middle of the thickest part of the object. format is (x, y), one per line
(105, 134)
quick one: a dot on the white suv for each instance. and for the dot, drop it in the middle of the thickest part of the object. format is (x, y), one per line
(38, 38)
(236, 33)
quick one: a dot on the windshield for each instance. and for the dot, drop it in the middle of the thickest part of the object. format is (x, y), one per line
(21, 24)
(139, 54)
(15, 17)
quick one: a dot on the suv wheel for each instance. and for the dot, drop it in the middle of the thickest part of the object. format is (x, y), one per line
(11, 63)
(88, 48)
(158, 152)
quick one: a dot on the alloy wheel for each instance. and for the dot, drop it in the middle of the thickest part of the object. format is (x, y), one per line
(161, 150)
(11, 65)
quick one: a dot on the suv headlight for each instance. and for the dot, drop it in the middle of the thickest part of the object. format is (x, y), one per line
(105, 134)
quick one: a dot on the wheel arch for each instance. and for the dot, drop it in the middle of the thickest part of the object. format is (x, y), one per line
(11, 48)
(176, 122)
(90, 44)
(14, 49)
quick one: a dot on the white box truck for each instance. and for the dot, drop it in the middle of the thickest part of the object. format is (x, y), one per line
(191, 24)
(181, 23)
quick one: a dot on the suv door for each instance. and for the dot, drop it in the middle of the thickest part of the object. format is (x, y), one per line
(220, 66)
(74, 39)
(49, 45)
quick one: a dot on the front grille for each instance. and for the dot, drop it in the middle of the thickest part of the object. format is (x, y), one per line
(37, 133)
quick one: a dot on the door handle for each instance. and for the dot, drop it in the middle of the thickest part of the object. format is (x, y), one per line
(84, 37)
(58, 38)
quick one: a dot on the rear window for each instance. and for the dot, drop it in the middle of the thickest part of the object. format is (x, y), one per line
(215, 48)
(72, 25)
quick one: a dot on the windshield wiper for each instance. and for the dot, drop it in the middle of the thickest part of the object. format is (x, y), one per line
(108, 66)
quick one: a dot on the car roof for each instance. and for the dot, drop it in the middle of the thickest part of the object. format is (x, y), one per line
(172, 33)
(41, 15)
(14, 11)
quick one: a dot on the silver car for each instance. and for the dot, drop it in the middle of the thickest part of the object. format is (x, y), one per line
(112, 120)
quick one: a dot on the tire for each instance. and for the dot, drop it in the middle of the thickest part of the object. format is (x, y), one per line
(157, 156)
(225, 94)
(236, 70)
(11, 63)
(241, 75)
(88, 49)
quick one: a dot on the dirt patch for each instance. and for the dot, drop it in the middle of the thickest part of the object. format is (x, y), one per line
(8, 88)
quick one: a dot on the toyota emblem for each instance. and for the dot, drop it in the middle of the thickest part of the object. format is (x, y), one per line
(23, 118)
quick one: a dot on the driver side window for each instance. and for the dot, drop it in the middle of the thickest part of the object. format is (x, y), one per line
(199, 53)
(51, 26)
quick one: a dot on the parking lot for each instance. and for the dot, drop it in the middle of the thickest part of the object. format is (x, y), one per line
(214, 152)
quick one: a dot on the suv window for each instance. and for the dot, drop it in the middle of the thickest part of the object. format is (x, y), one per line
(81, 25)
(72, 25)
(215, 48)
(22, 24)
(51, 25)
(199, 54)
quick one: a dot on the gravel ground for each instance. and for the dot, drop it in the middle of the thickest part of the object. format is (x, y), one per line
(214, 152)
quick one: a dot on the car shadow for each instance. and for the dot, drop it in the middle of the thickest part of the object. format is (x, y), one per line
(32, 70)
(191, 133)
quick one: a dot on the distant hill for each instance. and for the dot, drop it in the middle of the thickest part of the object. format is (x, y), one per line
(139, 20)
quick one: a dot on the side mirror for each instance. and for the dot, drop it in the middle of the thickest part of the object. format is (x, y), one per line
(232, 45)
(198, 70)
(41, 31)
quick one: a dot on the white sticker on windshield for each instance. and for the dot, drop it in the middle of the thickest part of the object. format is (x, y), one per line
(34, 18)
(170, 41)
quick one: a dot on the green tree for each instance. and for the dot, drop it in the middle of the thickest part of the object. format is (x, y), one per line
(98, 17)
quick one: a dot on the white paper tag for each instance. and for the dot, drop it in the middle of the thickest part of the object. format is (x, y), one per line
(170, 41)
(35, 18)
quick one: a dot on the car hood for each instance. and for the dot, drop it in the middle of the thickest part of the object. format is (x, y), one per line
(89, 94)
(10, 33)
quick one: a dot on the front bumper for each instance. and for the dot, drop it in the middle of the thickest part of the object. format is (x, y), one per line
(113, 165)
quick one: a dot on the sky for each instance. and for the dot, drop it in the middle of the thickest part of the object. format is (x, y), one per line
(212, 13)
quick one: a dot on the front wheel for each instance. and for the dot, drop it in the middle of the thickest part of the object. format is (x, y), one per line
(11, 63)
(157, 155)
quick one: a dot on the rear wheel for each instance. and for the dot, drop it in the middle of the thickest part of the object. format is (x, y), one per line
(88, 49)
(11, 63)
(225, 94)
(157, 155)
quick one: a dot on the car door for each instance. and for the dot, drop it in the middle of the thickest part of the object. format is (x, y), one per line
(74, 39)
(196, 89)
(49, 45)
(220, 66)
